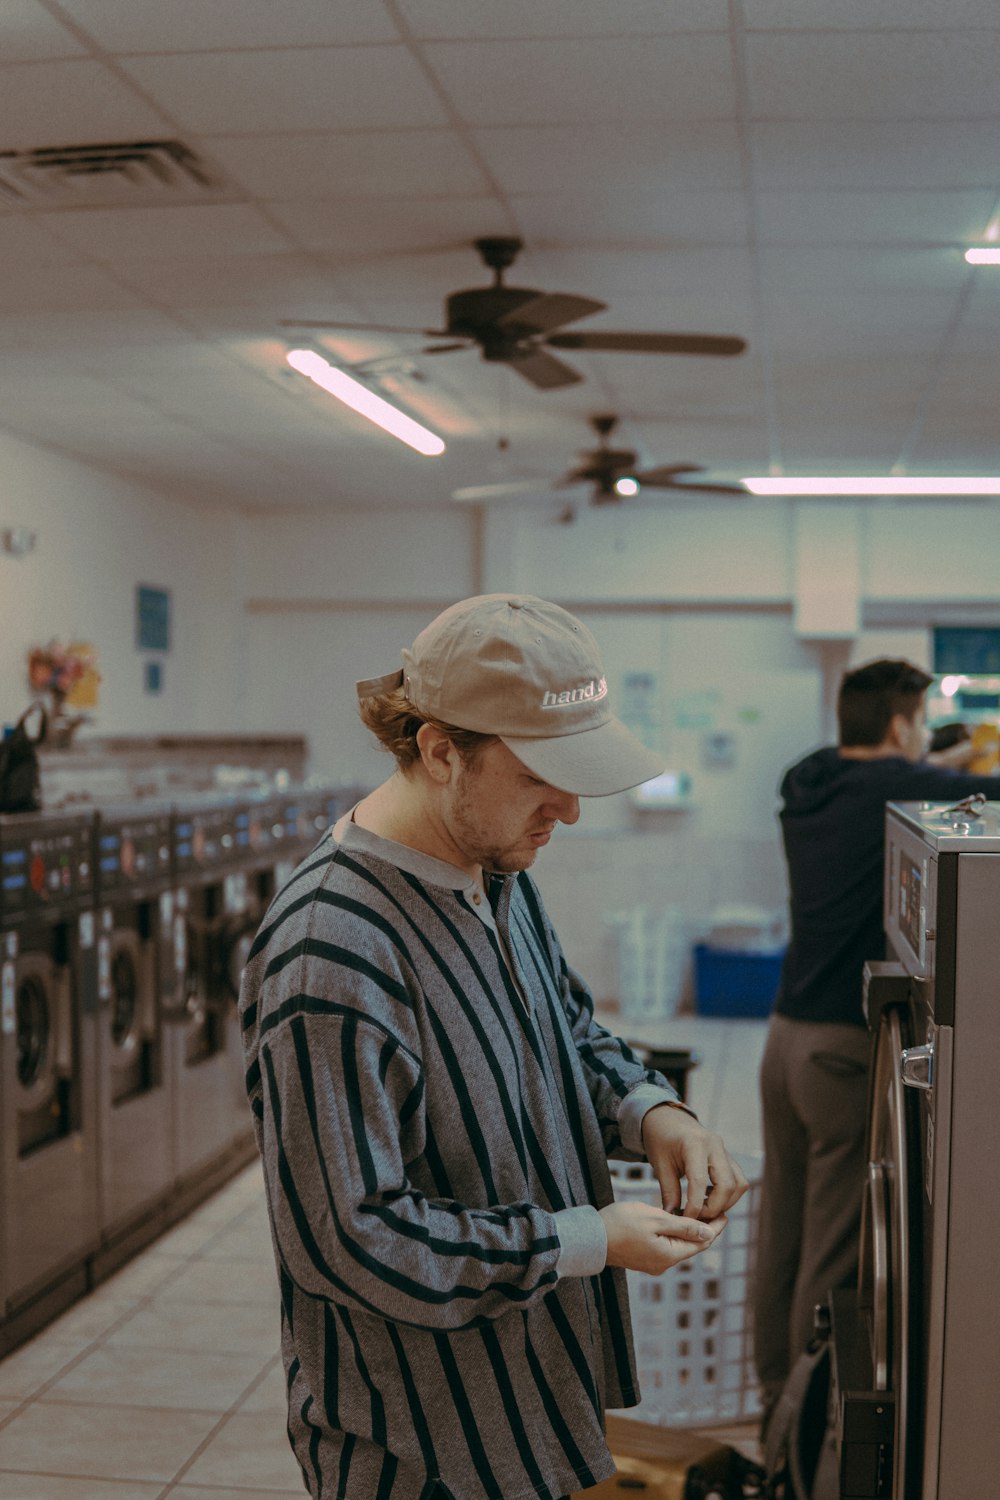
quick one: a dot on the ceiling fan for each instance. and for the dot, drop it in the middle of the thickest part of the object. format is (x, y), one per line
(517, 326)
(612, 474)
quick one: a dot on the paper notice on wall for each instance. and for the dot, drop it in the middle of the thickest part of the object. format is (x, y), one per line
(697, 710)
(640, 707)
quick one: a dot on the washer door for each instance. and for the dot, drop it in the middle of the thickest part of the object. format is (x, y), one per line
(202, 1012)
(236, 945)
(129, 1006)
(890, 1282)
(41, 1019)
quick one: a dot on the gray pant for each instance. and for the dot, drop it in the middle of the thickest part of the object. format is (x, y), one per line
(814, 1093)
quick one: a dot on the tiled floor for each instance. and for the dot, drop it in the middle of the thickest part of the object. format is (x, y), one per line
(166, 1380)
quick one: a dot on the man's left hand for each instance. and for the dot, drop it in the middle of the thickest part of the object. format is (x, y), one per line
(677, 1147)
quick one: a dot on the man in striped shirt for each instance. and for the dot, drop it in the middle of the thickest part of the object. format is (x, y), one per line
(435, 1104)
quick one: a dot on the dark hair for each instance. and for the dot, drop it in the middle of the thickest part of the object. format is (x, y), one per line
(870, 697)
(394, 722)
(947, 735)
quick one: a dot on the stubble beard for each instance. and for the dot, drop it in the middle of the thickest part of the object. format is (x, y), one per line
(469, 837)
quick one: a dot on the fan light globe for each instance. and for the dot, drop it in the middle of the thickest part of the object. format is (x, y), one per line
(626, 486)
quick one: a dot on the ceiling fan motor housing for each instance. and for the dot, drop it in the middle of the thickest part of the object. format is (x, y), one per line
(475, 313)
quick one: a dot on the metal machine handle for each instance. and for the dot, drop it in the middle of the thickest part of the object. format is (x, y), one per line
(916, 1066)
(880, 1272)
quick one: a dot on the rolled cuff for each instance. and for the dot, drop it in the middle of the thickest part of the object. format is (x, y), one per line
(583, 1241)
(636, 1105)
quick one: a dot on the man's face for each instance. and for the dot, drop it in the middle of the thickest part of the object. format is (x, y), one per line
(499, 814)
(916, 736)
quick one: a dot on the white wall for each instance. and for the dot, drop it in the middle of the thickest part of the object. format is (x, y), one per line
(276, 615)
(97, 538)
(333, 599)
(700, 600)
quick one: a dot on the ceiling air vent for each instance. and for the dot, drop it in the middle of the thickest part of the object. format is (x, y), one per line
(124, 174)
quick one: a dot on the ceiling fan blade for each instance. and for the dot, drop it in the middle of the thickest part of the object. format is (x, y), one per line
(694, 488)
(444, 348)
(500, 491)
(550, 310)
(427, 333)
(650, 343)
(543, 370)
(665, 473)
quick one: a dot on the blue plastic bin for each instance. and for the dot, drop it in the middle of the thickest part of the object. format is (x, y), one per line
(729, 983)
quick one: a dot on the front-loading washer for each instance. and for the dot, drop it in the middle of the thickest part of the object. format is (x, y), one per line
(916, 1348)
(205, 1130)
(48, 1066)
(136, 992)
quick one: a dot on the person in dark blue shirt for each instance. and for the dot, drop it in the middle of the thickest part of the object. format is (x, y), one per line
(814, 1073)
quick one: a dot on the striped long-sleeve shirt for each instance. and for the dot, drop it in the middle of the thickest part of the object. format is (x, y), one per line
(434, 1106)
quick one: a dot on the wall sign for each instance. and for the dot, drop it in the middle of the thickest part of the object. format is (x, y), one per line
(152, 618)
(968, 650)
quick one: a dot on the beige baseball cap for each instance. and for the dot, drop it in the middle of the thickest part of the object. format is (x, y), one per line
(530, 673)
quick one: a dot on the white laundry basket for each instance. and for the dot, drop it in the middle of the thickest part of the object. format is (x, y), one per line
(692, 1325)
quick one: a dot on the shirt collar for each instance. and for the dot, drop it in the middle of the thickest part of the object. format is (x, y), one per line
(352, 837)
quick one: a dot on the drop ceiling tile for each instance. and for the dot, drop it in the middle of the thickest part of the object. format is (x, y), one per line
(911, 76)
(807, 216)
(900, 323)
(32, 288)
(28, 242)
(120, 235)
(530, 159)
(79, 400)
(368, 226)
(419, 277)
(449, 19)
(858, 267)
(862, 15)
(223, 323)
(322, 88)
(259, 287)
(81, 338)
(353, 164)
(827, 448)
(660, 385)
(676, 219)
(627, 80)
(637, 272)
(978, 333)
(72, 103)
(28, 33)
(121, 26)
(885, 154)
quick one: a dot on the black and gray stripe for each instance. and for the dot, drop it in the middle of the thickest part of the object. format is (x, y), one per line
(430, 1092)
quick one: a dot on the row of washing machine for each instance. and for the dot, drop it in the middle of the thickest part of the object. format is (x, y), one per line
(123, 935)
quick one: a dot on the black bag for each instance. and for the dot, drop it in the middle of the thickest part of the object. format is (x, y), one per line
(20, 782)
(800, 1454)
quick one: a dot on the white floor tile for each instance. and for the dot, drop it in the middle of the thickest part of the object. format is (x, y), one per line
(87, 1441)
(53, 1487)
(187, 1380)
(27, 1369)
(247, 1452)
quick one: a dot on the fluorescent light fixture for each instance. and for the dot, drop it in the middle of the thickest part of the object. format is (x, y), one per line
(626, 486)
(873, 484)
(980, 256)
(360, 399)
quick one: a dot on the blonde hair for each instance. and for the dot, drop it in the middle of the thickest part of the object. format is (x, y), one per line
(394, 722)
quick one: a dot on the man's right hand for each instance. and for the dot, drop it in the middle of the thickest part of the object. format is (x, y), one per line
(644, 1238)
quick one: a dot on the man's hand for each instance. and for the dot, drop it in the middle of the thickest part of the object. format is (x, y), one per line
(677, 1147)
(644, 1238)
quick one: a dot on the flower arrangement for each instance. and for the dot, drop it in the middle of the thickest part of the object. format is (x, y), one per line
(58, 670)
